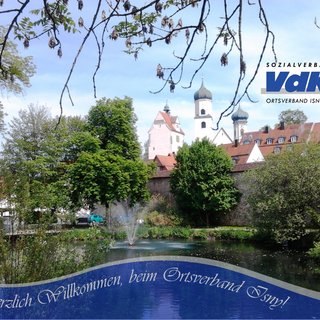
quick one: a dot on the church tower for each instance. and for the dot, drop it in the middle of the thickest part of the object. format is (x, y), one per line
(240, 120)
(203, 121)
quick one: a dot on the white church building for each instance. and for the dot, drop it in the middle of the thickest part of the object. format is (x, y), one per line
(203, 119)
(165, 135)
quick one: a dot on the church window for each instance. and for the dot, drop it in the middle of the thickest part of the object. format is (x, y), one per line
(177, 139)
(203, 111)
(203, 125)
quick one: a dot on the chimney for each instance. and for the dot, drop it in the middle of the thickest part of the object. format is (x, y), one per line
(281, 125)
(266, 129)
(236, 142)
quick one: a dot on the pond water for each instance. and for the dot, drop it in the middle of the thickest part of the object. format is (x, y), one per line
(289, 266)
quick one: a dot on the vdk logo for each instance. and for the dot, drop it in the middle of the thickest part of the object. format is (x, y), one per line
(304, 82)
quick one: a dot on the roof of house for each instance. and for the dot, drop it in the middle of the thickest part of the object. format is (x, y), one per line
(165, 162)
(171, 121)
(272, 140)
(241, 152)
(302, 131)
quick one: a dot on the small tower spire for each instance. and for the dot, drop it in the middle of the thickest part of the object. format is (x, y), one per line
(166, 108)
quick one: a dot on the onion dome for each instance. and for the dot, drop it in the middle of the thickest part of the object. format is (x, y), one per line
(240, 115)
(203, 93)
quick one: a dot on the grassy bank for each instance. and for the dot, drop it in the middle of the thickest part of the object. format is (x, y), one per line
(219, 233)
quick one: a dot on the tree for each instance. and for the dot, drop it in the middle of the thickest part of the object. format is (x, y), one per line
(16, 71)
(201, 182)
(139, 26)
(284, 193)
(115, 171)
(104, 178)
(292, 116)
(33, 173)
(113, 122)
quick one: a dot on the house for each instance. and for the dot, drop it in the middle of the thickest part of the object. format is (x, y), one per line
(165, 135)
(271, 141)
(160, 182)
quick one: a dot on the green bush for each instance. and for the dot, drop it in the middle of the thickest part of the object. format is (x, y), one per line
(315, 251)
(159, 219)
(235, 233)
(200, 234)
(85, 234)
(182, 233)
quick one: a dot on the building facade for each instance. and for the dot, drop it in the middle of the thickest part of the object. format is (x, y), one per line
(165, 135)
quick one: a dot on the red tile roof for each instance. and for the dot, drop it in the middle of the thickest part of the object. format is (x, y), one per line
(241, 152)
(271, 139)
(165, 162)
(170, 121)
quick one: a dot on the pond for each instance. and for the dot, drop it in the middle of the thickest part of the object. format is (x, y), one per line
(289, 266)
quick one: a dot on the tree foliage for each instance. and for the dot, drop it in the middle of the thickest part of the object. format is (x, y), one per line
(94, 159)
(15, 71)
(101, 177)
(201, 182)
(285, 192)
(140, 26)
(115, 171)
(113, 122)
(31, 166)
(292, 116)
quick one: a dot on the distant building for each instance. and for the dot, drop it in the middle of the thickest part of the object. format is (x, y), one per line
(240, 120)
(160, 182)
(203, 121)
(250, 147)
(165, 135)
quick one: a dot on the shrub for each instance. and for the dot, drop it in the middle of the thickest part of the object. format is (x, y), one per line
(200, 234)
(156, 218)
(315, 251)
(235, 233)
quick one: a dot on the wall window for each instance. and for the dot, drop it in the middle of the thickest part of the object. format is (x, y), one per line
(276, 150)
(203, 111)
(293, 139)
(281, 139)
(177, 139)
(269, 140)
(203, 125)
(235, 160)
(258, 142)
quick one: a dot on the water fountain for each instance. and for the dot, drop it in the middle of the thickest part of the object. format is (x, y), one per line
(128, 217)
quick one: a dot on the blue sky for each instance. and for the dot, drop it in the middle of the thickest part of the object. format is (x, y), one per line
(297, 38)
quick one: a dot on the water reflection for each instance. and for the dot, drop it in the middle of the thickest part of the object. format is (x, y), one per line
(289, 266)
